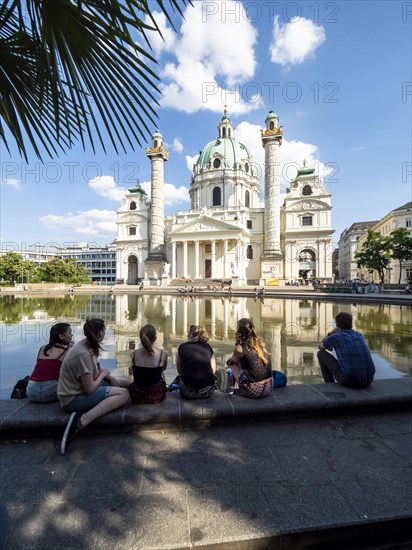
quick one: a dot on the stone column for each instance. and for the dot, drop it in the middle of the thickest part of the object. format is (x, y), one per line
(213, 315)
(213, 259)
(185, 259)
(238, 252)
(156, 258)
(157, 156)
(197, 276)
(173, 259)
(225, 257)
(197, 312)
(271, 141)
(185, 327)
(173, 317)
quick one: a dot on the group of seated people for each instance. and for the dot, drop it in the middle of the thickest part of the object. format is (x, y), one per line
(71, 373)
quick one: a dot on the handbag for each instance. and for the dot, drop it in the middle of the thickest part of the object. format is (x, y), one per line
(19, 390)
(279, 379)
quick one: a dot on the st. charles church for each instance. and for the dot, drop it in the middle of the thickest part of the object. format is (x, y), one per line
(227, 234)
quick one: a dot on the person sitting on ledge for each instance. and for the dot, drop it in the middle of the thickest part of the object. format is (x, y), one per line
(148, 365)
(42, 385)
(196, 365)
(250, 362)
(86, 388)
(354, 366)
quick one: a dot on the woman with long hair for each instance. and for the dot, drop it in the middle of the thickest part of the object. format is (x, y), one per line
(85, 390)
(148, 364)
(250, 362)
(42, 385)
(196, 365)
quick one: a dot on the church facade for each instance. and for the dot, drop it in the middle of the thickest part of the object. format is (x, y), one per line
(227, 234)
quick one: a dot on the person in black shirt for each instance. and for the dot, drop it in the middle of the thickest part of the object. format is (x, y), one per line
(148, 363)
(250, 362)
(196, 365)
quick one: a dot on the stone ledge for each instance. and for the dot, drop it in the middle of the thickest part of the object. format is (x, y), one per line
(21, 418)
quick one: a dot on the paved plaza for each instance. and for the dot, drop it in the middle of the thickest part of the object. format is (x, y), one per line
(334, 481)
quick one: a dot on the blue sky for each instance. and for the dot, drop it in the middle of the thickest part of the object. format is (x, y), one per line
(338, 74)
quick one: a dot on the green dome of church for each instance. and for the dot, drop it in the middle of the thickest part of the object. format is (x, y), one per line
(223, 153)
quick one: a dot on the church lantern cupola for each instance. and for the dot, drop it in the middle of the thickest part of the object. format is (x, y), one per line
(225, 127)
(272, 121)
(157, 140)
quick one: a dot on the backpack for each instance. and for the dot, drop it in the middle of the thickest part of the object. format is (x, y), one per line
(279, 379)
(19, 390)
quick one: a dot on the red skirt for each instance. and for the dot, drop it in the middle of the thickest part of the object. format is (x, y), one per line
(148, 395)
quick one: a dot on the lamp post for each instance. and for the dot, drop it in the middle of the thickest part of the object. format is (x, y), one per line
(388, 269)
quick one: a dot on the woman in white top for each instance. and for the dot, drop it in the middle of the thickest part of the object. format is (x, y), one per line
(84, 389)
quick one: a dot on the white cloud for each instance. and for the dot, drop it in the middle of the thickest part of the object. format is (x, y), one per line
(295, 41)
(12, 182)
(172, 194)
(190, 161)
(158, 44)
(106, 186)
(292, 154)
(177, 145)
(214, 58)
(88, 222)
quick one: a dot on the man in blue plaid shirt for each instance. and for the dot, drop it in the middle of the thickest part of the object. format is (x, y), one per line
(354, 366)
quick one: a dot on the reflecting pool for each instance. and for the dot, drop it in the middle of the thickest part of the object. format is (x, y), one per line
(290, 328)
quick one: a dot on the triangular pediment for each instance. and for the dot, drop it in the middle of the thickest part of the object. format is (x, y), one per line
(206, 225)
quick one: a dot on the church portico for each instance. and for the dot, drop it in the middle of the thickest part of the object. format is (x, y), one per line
(205, 259)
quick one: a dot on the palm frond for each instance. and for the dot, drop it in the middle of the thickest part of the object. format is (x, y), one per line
(73, 70)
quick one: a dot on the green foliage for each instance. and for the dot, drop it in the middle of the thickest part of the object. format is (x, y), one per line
(401, 245)
(14, 308)
(11, 267)
(62, 270)
(374, 253)
(75, 69)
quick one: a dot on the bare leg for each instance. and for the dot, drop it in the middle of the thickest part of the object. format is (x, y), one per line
(116, 399)
(124, 382)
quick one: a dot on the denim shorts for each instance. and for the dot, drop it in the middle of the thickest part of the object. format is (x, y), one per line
(42, 392)
(83, 402)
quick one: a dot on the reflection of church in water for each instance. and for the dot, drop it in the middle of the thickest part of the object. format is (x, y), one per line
(290, 328)
(226, 233)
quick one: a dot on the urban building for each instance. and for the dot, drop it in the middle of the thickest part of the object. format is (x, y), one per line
(98, 261)
(227, 234)
(400, 217)
(347, 246)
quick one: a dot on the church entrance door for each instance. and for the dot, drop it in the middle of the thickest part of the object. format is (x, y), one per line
(208, 269)
(132, 270)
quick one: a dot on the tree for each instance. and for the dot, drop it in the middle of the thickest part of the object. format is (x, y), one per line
(62, 270)
(374, 253)
(14, 269)
(65, 63)
(401, 245)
